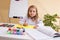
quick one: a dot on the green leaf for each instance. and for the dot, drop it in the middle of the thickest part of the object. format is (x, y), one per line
(48, 19)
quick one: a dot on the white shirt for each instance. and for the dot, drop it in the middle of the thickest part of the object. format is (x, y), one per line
(30, 22)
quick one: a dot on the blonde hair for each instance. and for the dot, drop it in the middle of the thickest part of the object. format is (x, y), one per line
(36, 16)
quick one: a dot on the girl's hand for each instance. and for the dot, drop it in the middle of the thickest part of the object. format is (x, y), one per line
(25, 23)
(35, 27)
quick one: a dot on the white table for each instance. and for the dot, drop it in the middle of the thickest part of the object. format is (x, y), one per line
(5, 36)
(31, 34)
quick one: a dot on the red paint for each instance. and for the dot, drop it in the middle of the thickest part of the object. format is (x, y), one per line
(9, 29)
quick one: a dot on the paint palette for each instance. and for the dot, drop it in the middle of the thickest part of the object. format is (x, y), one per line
(16, 31)
(6, 25)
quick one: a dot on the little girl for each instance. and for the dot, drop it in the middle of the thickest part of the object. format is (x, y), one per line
(32, 19)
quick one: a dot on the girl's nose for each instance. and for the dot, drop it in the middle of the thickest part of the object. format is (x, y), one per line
(32, 12)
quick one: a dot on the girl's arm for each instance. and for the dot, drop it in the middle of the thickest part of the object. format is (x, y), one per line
(39, 24)
(23, 22)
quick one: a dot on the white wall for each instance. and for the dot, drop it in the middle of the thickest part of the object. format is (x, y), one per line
(18, 8)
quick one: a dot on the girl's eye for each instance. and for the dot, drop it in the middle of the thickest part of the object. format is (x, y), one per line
(32, 11)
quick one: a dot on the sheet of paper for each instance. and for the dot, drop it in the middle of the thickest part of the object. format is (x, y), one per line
(37, 35)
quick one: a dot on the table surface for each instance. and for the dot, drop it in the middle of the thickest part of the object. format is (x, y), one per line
(3, 33)
(31, 34)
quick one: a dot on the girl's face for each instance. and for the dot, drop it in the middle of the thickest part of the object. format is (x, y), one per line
(32, 12)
